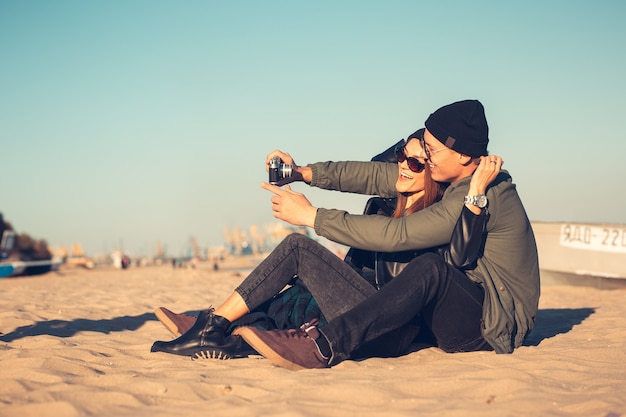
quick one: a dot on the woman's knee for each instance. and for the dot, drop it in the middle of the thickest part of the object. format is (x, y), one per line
(296, 239)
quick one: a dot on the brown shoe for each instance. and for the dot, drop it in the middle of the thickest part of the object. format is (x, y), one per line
(293, 349)
(178, 324)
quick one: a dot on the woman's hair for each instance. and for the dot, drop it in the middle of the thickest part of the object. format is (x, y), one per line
(433, 191)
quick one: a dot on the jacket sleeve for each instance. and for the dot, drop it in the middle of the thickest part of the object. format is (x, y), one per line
(425, 228)
(368, 178)
(467, 240)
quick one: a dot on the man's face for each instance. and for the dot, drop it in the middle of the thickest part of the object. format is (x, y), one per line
(444, 162)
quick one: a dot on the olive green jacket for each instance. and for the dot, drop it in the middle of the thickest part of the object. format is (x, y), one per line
(508, 268)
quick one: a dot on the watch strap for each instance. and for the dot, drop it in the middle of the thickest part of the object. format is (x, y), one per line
(475, 200)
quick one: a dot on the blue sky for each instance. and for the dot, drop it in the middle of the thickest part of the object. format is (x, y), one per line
(131, 122)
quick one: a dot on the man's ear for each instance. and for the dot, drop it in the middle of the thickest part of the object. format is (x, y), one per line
(465, 160)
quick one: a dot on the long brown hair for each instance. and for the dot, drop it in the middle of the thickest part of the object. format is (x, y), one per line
(433, 191)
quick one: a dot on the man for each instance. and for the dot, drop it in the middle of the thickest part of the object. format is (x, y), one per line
(490, 307)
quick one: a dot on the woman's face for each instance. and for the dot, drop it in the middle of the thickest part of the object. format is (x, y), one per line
(410, 181)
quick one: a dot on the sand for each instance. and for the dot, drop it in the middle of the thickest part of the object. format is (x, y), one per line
(77, 343)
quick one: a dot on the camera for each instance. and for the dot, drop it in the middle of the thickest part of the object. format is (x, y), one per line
(279, 171)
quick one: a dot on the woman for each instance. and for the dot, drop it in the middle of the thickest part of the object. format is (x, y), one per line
(335, 285)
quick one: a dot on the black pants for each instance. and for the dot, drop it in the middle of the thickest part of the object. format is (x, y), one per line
(334, 284)
(449, 303)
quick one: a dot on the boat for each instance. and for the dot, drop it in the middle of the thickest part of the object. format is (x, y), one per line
(10, 268)
(19, 268)
(589, 254)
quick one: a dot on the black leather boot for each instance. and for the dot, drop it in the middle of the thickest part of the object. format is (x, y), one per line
(207, 337)
(235, 346)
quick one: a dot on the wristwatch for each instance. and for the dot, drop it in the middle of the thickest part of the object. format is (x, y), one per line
(479, 200)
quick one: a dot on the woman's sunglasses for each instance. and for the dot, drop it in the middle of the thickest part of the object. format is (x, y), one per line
(414, 164)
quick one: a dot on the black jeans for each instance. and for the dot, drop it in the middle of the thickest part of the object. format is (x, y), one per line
(449, 303)
(333, 283)
(335, 286)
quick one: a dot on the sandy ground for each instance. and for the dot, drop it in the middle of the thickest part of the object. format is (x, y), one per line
(77, 343)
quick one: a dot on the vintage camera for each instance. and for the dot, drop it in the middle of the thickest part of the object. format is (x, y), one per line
(279, 171)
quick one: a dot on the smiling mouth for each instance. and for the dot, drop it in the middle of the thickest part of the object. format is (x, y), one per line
(407, 176)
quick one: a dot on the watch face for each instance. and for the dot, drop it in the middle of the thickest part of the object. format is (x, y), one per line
(482, 201)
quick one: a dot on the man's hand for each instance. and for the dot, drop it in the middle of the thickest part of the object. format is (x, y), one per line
(485, 173)
(284, 156)
(290, 206)
(299, 173)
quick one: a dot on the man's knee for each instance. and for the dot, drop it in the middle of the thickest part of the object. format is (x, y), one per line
(429, 259)
(430, 267)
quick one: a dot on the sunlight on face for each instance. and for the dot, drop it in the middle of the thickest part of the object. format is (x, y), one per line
(443, 161)
(409, 181)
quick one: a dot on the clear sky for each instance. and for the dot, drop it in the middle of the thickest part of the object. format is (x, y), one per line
(124, 123)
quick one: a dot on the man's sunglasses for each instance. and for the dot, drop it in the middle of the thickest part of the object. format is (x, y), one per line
(414, 164)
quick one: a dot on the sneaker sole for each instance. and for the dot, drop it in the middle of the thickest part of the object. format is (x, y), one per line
(198, 353)
(259, 345)
(210, 354)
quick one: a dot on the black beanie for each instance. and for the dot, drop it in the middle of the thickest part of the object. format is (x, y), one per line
(461, 126)
(418, 134)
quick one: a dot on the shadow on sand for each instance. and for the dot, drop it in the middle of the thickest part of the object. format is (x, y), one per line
(550, 322)
(64, 328)
(555, 321)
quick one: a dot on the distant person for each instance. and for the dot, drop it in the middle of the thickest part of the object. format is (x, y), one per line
(417, 225)
(450, 301)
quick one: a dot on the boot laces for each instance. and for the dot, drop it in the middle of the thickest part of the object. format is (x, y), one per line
(311, 325)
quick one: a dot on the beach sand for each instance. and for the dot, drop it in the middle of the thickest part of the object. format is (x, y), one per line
(77, 343)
